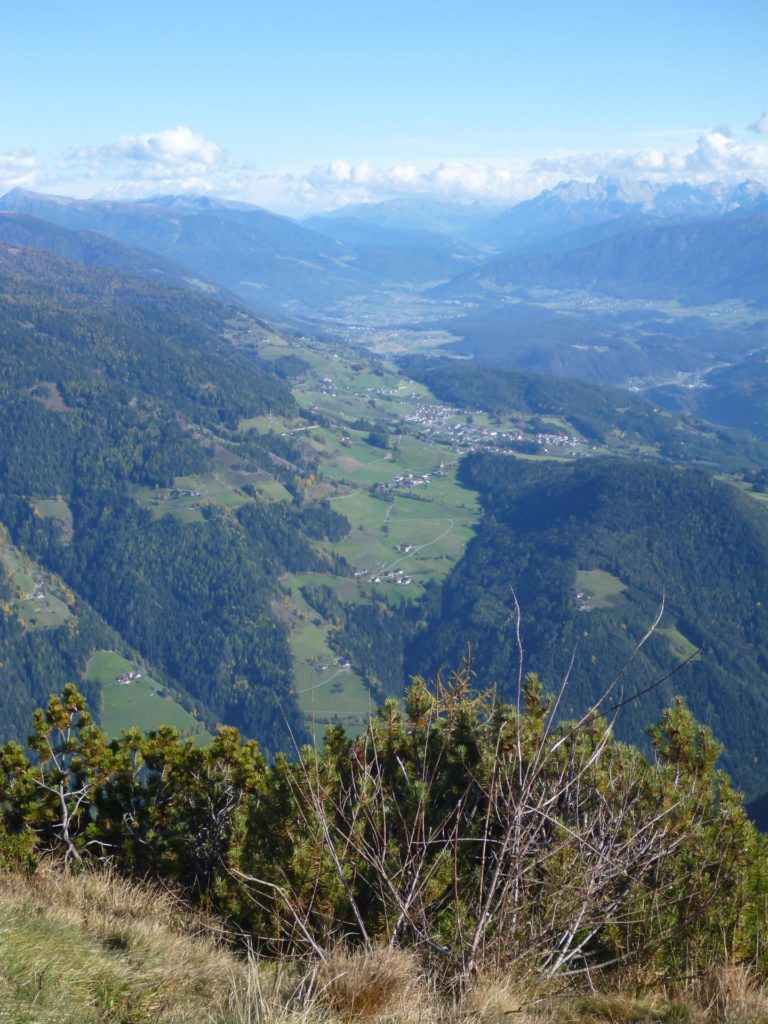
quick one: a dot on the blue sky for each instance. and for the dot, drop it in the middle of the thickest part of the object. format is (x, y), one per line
(302, 105)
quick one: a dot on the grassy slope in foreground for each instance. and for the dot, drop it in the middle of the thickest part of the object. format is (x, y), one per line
(82, 949)
(91, 948)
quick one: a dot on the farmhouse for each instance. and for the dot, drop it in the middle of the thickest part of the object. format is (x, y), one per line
(128, 677)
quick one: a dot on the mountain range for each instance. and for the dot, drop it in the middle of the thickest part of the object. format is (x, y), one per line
(367, 250)
(698, 262)
(132, 379)
(579, 206)
(268, 260)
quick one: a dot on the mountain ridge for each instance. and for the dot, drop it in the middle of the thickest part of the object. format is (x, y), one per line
(698, 262)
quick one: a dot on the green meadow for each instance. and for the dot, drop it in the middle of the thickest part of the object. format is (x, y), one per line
(142, 704)
(600, 588)
(326, 688)
(680, 645)
(421, 531)
(58, 510)
(41, 599)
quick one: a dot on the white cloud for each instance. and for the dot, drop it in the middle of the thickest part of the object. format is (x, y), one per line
(175, 159)
(715, 156)
(180, 160)
(340, 182)
(173, 147)
(19, 169)
(761, 124)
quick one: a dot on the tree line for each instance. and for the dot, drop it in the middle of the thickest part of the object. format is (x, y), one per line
(483, 833)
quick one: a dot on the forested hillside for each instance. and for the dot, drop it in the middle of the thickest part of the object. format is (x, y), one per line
(167, 499)
(736, 396)
(34, 660)
(93, 249)
(112, 387)
(698, 262)
(589, 550)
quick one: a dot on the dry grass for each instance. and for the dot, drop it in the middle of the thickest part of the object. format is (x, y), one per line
(92, 948)
(378, 984)
(732, 994)
(618, 1008)
(498, 998)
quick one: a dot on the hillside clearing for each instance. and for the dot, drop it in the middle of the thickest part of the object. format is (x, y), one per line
(140, 703)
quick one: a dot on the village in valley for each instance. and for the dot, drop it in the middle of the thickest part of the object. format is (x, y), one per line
(384, 452)
(387, 453)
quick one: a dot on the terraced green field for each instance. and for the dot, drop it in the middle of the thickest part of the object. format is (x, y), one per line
(143, 703)
(41, 599)
(328, 689)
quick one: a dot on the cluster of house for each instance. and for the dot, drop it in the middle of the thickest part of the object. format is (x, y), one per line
(397, 576)
(466, 436)
(412, 480)
(128, 677)
(431, 416)
(183, 492)
(388, 393)
(38, 593)
(556, 441)
(407, 481)
(434, 421)
(322, 666)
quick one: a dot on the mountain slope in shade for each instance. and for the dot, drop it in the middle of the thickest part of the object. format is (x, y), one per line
(405, 255)
(267, 259)
(588, 550)
(736, 396)
(699, 262)
(95, 250)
